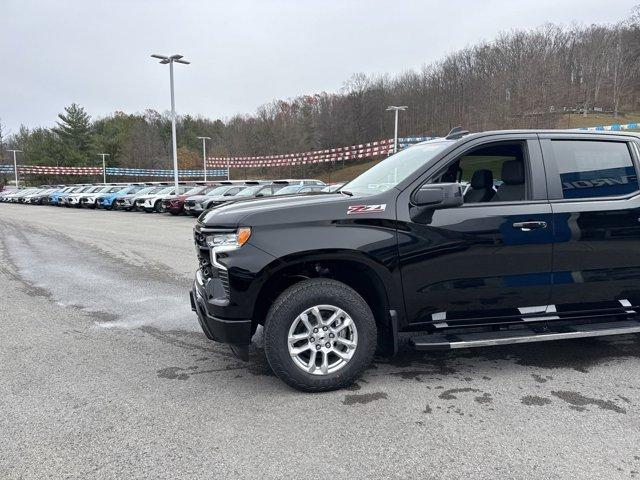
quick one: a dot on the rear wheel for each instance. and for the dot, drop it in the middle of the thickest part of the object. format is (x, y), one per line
(158, 207)
(320, 335)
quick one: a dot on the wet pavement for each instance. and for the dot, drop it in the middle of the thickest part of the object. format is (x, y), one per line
(105, 374)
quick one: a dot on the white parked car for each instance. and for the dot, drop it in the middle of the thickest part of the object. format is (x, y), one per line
(73, 199)
(153, 202)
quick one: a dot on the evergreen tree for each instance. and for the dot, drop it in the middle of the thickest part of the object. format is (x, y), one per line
(74, 132)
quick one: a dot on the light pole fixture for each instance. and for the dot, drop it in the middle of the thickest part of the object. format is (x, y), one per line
(395, 134)
(15, 164)
(164, 60)
(204, 154)
(104, 167)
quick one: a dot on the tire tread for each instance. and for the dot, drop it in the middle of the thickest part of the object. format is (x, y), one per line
(296, 293)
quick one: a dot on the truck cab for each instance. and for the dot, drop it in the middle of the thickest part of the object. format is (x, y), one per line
(463, 241)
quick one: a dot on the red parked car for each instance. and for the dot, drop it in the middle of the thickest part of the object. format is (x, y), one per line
(175, 203)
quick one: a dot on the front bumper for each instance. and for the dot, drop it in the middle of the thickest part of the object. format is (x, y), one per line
(173, 207)
(235, 331)
(194, 210)
(123, 204)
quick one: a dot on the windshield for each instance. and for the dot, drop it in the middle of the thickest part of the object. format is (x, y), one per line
(249, 191)
(165, 190)
(218, 191)
(288, 190)
(193, 191)
(388, 173)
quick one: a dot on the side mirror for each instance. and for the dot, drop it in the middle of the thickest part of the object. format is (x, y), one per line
(438, 195)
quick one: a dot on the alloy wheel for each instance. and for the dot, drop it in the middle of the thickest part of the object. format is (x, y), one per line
(322, 339)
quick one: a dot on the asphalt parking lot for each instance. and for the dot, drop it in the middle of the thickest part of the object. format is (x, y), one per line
(105, 373)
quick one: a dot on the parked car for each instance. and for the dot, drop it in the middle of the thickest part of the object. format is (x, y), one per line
(88, 199)
(126, 202)
(105, 200)
(552, 253)
(174, 204)
(4, 194)
(153, 202)
(74, 198)
(303, 181)
(299, 189)
(23, 194)
(59, 198)
(248, 193)
(334, 187)
(14, 195)
(38, 197)
(55, 193)
(195, 205)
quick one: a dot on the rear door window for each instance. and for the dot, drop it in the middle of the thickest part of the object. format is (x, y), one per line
(590, 168)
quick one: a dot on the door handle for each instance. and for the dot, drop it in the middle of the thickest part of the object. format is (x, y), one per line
(528, 226)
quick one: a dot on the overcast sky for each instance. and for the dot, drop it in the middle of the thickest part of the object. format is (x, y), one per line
(243, 53)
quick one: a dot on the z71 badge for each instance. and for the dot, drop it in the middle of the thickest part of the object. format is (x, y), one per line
(352, 209)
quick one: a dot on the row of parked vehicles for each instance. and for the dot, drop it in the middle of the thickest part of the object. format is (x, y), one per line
(190, 198)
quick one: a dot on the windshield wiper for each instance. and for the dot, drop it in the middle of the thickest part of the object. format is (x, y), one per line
(346, 192)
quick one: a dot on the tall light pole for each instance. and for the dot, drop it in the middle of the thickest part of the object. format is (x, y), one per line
(15, 164)
(104, 167)
(171, 60)
(395, 134)
(204, 154)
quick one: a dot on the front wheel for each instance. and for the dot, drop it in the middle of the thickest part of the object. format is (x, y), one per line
(320, 335)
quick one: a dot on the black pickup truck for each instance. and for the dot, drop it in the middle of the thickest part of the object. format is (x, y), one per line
(543, 243)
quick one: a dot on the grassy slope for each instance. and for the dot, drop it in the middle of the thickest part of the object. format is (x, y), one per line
(595, 119)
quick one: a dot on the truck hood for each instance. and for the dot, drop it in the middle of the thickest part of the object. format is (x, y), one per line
(260, 209)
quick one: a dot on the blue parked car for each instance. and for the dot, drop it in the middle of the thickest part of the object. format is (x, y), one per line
(56, 198)
(106, 200)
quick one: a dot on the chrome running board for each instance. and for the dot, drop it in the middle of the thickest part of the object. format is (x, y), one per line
(527, 335)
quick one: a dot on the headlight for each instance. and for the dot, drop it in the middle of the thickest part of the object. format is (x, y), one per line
(229, 241)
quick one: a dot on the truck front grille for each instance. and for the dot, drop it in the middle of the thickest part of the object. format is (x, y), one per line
(204, 259)
(223, 275)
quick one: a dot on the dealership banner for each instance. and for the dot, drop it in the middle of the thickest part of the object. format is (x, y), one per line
(111, 171)
(51, 170)
(612, 128)
(365, 150)
(145, 172)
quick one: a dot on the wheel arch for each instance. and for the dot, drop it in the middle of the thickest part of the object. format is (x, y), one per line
(367, 277)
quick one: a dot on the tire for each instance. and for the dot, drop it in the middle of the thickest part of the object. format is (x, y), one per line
(158, 207)
(284, 319)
